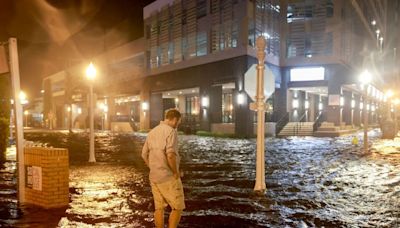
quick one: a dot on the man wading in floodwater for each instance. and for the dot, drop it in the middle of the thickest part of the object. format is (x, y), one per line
(160, 152)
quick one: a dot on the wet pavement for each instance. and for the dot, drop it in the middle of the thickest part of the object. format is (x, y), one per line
(311, 182)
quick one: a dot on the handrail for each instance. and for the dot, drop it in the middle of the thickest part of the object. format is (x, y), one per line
(318, 121)
(280, 124)
(302, 117)
(299, 124)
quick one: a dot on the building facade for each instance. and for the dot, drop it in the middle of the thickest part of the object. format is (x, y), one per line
(316, 50)
(195, 54)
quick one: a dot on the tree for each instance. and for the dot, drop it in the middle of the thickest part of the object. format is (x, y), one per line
(5, 108)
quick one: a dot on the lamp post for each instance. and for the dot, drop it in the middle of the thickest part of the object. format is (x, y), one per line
(260, 105)
(396, 102)
(365, 79)
(24, 101)
(26, 113)
(91, 75)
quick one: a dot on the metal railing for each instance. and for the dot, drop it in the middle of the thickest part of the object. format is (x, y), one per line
(281, 123)
(299, 124)
(318, 121)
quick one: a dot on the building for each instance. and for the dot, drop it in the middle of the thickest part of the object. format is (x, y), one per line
(195, 54)
(315, 48)
(118, 79)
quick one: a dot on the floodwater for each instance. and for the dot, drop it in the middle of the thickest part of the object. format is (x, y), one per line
(311, 182)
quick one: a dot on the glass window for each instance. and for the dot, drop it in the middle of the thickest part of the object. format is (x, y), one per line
(235, 34)
(148, 28)
(227, 107)
(201, 44)
(252, 39)
(192, 105)
(329, 43)
(201, 8)
(329, 8)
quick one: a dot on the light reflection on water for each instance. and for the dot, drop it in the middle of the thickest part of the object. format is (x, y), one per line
(310, 182)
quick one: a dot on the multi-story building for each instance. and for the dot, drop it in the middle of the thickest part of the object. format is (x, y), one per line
(195, 54)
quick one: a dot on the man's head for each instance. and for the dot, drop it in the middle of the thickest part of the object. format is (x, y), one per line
(172, 117)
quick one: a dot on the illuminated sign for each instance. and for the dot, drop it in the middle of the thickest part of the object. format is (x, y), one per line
(307, 74)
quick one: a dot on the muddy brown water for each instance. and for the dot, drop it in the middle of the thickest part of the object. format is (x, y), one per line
(311, 182)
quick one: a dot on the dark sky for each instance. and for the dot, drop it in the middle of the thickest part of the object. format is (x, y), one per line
(54, 34)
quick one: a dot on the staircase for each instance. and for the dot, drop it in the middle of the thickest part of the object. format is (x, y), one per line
(297, 129)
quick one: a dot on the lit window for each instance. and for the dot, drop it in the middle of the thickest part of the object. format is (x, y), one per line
(201, 44)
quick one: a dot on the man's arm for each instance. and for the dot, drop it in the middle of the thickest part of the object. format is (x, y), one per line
(171, 158)
(172, 141)
(145, 153)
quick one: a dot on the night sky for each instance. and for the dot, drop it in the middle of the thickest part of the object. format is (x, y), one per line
(54, 34)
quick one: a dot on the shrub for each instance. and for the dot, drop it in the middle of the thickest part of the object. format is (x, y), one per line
(144, 131)
(4, 131)
(216, 134)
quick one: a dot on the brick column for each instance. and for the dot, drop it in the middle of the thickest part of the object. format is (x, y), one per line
(47, 177)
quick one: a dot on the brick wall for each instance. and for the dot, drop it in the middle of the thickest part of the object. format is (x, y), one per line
(54, 165)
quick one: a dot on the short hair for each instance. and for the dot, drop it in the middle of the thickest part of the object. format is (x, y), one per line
(172, 113)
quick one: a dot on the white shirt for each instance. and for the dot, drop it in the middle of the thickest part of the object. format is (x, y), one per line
(160, 141)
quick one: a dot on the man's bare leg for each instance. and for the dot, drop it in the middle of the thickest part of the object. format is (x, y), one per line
(174, 218)
(159, 218)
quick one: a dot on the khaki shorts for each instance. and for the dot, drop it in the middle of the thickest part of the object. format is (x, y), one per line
(168, 193)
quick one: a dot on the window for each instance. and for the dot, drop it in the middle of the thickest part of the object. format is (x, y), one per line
(201, 8)
(329, 8)
(227, 107)
(329, 43)
(192, 105)
(201, 48)
(235, 34)
(148, 28)
(252, 39)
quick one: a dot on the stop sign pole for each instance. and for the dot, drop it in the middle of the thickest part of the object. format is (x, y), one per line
(19, 129)
(261, 107)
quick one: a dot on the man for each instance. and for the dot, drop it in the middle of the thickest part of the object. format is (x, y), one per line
(160, 153)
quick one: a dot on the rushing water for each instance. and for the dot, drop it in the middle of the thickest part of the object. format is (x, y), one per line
(311, 182)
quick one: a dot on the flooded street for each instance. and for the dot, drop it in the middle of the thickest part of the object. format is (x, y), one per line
(310, 182)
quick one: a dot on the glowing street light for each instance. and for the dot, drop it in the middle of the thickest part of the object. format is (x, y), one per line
(22, 95)
(91, 75)
(91, 72)
(389, 93)
(23, 98)
(365, 77)
(377, 35)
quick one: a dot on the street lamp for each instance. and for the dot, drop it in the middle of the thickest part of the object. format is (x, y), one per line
(365, 78)
(26, 113)
(396, 102)
(91, 75)
(389, 94)
(22, 98)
